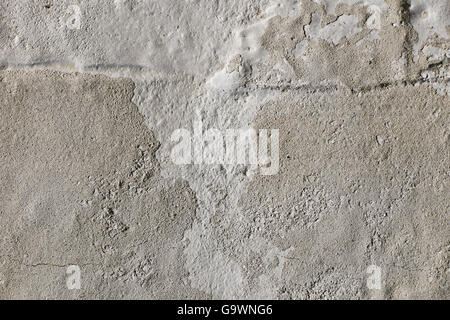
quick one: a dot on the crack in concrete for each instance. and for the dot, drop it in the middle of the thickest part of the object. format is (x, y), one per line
(49, 264)
(125, 71)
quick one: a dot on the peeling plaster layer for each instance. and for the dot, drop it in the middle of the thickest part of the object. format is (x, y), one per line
(429, 18)
(344, 27)
(158, 35)
(330, 5)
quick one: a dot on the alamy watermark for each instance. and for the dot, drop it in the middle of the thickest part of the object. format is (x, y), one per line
(74, 20)
(227, 147)
(374, 278)
(73, 281)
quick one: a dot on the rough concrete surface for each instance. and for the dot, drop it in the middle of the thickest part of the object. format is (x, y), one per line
(352, 204)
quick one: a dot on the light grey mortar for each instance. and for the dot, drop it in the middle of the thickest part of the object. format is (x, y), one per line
(359, 90)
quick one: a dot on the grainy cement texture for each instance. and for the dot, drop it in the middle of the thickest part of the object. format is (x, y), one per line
(92, 91)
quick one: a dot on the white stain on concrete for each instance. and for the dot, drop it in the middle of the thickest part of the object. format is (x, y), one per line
(429, 18)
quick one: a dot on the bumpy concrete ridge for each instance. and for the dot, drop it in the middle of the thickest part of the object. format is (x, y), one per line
(93, 204)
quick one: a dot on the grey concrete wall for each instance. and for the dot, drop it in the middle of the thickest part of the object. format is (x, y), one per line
(118, 181)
